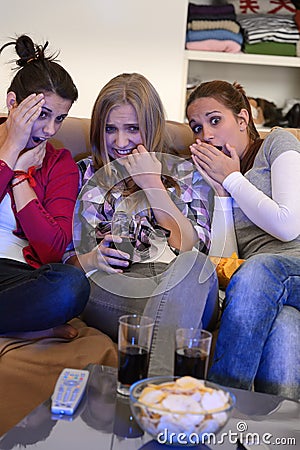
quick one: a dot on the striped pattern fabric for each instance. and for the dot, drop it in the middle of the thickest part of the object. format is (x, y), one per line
(262, 27)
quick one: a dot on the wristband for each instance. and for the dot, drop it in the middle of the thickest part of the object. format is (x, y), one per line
(19, 182)
(22, 175)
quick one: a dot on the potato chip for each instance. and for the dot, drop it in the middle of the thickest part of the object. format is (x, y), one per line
(189, 383)
(152, 396)
(181, 403)
(225, 267)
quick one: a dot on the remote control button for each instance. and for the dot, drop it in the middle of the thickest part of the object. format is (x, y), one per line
(70, 382)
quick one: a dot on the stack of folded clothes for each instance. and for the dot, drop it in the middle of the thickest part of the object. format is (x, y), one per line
(213, 28)
(297, 21)
(270, 34)
(269, 27)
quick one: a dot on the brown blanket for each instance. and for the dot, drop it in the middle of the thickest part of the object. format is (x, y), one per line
(29, 368)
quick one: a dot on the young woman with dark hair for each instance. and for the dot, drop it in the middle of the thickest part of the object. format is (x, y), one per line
(258, 181)
(38, 190)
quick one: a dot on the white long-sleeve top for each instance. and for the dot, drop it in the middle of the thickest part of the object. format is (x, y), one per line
(265, 202)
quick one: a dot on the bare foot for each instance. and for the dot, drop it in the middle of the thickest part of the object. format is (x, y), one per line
(65, 331)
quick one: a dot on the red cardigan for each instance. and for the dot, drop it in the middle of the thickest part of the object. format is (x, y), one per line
(46, 222)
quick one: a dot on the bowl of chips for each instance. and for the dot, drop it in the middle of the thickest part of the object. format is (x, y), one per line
(180, 410)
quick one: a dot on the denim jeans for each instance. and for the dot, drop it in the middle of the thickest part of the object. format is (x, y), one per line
(38, 299)
(259, 337)
(183, 293)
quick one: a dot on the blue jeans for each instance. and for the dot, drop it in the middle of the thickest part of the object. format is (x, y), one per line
(259, 337)
(38, 299)
(183, 293)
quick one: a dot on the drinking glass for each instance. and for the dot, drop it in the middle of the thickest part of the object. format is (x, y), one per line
(121, 226)
(134, 342)
(192, 348)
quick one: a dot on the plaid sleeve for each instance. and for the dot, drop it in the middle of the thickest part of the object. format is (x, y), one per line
(88, 213)
(195, 202)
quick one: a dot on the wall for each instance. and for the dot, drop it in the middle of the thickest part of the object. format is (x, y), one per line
(99, 39)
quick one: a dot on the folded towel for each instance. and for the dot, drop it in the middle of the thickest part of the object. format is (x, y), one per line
(214, 45)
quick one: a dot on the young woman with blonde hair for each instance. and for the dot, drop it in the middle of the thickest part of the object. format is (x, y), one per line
(168, 208)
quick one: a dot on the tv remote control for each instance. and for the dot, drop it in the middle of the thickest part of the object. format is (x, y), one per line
(68, 391)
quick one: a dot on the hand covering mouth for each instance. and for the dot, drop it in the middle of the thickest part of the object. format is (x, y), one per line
(219, 147)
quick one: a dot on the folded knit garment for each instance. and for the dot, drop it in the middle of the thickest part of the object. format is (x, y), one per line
(229, 25)
(297, 19)
(202, 35)
(210, 11)
(271, 48)
(264, 27)
(214, 45)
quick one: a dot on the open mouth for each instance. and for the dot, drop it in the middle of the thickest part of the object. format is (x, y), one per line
(219, 147)
(37, 140)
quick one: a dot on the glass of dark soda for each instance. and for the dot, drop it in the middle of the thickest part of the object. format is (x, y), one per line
(134, 342)
(122, 227)
(192, 348)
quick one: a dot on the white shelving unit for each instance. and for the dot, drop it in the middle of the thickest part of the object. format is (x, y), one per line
(275, 78)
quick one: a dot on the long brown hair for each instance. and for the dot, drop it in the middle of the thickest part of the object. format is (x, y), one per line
(233, 97)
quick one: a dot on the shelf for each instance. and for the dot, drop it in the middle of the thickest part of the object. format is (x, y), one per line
(243, 58)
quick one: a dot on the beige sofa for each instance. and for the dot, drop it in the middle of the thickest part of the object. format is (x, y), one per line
(29, 369)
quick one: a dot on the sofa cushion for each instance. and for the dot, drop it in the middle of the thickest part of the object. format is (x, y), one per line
(30, 368)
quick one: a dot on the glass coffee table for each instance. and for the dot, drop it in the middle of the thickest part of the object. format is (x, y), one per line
(103, 421)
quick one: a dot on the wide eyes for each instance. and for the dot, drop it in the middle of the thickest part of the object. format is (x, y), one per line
(60, 118)
(109, 129)
(130, 129)
(46, 115)
(43, 115)
(213, 121)
(134, 129)
(197, 129)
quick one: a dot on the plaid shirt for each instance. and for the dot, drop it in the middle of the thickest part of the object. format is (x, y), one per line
(95, 207)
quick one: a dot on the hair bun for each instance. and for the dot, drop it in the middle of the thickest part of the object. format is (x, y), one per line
(27, 50)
